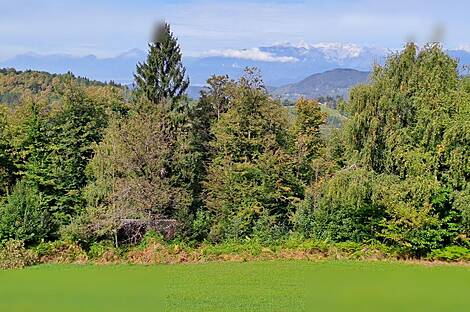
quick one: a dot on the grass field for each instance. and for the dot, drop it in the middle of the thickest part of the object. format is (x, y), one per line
(253, 286)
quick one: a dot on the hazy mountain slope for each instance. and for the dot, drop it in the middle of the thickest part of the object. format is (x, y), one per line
(119, 69)
(194, 92)
(332, 83)
(14, 85)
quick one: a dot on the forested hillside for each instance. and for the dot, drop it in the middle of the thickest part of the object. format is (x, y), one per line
(15, 85)
(333, 83)
(98, 167)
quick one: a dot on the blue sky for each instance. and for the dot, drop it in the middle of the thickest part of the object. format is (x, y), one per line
(106, 28)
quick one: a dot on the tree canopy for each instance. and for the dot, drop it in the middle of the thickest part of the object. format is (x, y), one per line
(82, 160)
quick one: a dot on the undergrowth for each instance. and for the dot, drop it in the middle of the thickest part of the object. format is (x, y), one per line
(153, 249)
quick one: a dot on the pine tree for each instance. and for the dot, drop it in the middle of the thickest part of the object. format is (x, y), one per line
(162, 76)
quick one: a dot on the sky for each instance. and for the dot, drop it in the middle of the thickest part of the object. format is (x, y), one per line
(107, 28)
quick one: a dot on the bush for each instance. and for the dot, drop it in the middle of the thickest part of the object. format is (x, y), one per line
(267, 231)
(150, 238)
(61, 252)
(24, 215)
(450, 253)
(14, 255)
(100, 249)
(299, 242)
(304, 218)
(344, 210)
(201, 225)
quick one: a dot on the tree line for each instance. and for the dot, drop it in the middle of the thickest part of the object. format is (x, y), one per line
(80, 160)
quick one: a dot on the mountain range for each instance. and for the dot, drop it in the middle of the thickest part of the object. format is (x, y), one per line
(283, 66)
(286, 63)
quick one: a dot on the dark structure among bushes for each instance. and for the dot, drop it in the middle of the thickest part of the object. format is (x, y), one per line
(132, 231)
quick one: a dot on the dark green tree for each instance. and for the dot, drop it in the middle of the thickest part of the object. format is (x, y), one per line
(73, 132)
(162, 76)
(7, 166)
(55, 151)
(24, 215)
(251, 187)
(32, 151)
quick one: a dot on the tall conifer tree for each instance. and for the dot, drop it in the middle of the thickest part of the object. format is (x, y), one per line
(162, 76)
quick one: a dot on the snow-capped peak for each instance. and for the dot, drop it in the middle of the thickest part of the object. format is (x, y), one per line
(286, 44)
(337, 50)
(464, 47)
(331, 50)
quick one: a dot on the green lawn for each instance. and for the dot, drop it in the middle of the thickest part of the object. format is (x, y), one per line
(255, 286)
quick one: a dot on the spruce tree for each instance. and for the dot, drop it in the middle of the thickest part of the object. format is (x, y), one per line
(162, 76)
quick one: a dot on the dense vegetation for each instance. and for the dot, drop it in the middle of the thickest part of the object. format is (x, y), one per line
(93, 163)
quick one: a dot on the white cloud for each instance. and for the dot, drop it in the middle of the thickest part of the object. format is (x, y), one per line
(253, 54)
(339, 50)
(464, 47)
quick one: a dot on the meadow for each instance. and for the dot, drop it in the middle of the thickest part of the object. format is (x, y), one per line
(247, 286)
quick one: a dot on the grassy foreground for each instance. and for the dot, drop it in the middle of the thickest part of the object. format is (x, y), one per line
(251, 286)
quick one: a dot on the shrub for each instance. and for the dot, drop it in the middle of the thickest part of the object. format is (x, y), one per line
(99, 249)
(150, 238)
(267, 231)
(61, 252)
(450, 253)
(201, 225)
(14, 255)
(24, 215)
(304, 218)
(344, 210)
(298, 242)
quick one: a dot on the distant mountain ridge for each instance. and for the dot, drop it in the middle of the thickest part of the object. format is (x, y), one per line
(331, 83)
(119, 68)
(15, 85)
(280, 64)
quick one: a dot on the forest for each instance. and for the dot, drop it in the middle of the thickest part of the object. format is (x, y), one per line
(91, 169)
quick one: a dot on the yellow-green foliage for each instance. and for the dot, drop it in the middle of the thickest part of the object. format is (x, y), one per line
(407, 145)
